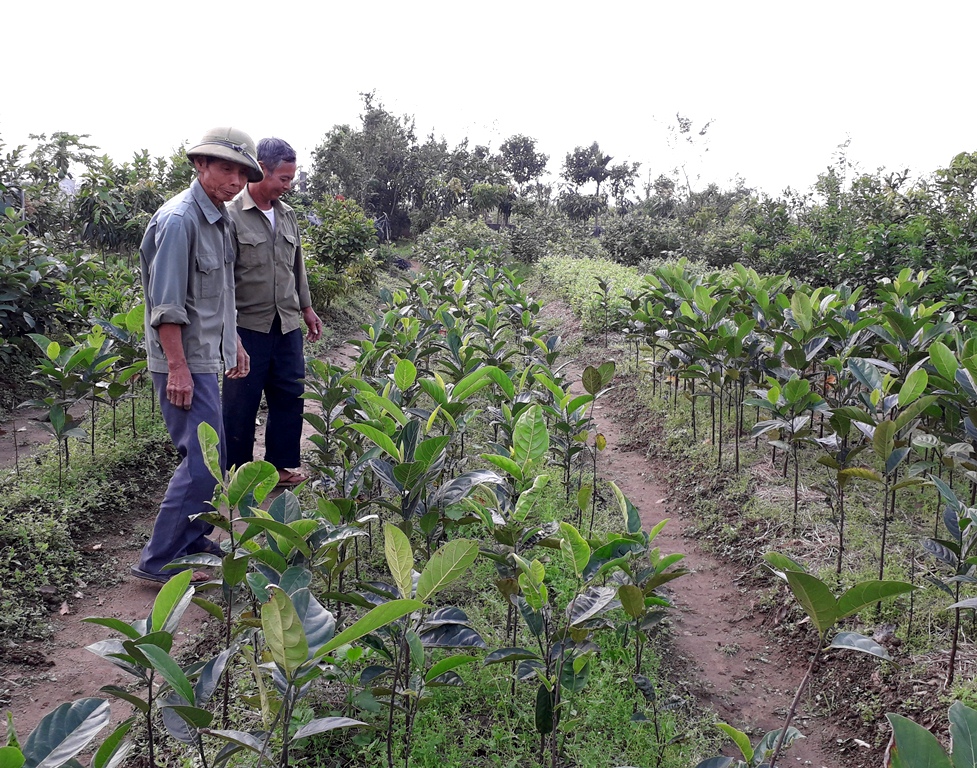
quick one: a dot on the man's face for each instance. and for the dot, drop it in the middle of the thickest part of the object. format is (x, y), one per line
(221, 179)
(276, 183)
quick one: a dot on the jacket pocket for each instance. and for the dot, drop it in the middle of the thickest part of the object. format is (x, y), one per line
(210, 278)
(250, 246)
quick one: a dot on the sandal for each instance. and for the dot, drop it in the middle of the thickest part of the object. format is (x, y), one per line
(198, 577)
(289, 479)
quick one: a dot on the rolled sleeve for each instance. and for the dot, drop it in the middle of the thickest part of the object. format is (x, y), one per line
(169, 272)
(168, 313)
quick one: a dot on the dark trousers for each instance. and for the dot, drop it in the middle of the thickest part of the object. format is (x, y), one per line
(277, 368)
(192, 486)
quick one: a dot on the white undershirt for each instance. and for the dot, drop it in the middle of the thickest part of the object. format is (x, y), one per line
(270, 213)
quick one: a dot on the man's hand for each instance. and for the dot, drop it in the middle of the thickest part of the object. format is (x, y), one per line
(313, 323)
(179, 387)
(243, 367)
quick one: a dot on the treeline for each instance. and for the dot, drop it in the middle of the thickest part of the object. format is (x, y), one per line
(849, 226)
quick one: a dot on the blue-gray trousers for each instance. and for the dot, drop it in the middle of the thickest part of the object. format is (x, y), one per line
(192, 486)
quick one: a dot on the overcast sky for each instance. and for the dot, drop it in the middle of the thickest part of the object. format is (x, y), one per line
(785, 83)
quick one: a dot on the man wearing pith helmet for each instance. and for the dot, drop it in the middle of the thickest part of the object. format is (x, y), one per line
(187, 269)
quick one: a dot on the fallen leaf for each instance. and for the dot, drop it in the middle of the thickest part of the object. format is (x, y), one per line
(79, 596)
(96, 547)
(64, 610)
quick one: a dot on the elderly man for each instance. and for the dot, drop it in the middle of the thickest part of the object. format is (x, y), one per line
(272, 297)
(187, 268)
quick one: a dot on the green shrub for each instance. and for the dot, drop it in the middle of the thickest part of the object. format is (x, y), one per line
(631, 238)
(456, 235)
(339, 232)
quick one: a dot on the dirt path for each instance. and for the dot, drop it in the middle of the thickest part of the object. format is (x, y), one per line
(725, 657)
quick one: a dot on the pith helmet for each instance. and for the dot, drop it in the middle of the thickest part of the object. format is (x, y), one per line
(229, 144)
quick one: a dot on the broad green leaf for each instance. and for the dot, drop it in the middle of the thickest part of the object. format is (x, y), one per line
(632, 600)
(815, 598)
(884, 439)
(591, 380)
(796, 390)
(632, 520)
(280, 531)
(502, 381)
(914, 410)
(866, 373)
(446, 565)
(592, 602)
(383, 404)
(853, 641)
(325, 724)
(575, 549)
(584, 496)
(400, 558)
(779, 564)
(801, 309)
(372, 621)
(63, 733)
(472, 383)
(861, 473)
(173, 598)
(283, 633)
(943, 360)
(428, 450)
(868, 592)
(544, 710)
(530, 440)
(446, 665)
(529, 497)
(504, 463)
(380, 439)
(963, 733)
(502, 655)
(256, 477)
(913, 746)
(209, 445)
(113, 750)
(740, 739)
(170, 671)
(405, 374)
(117, 624)
(913, 387)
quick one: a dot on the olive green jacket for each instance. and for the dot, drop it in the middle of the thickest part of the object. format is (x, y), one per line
(269, 271)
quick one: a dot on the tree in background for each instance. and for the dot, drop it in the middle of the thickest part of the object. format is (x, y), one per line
(519, 158)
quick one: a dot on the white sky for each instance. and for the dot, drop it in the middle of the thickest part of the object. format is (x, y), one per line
(785, 82)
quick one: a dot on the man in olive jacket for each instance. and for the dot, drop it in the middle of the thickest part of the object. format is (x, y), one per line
(272, 299)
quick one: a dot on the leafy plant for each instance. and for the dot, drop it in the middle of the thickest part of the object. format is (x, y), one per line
(825, 611)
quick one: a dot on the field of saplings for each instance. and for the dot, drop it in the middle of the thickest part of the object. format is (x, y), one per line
(463, 581)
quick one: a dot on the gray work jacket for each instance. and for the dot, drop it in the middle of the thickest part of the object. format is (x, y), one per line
(186, 262)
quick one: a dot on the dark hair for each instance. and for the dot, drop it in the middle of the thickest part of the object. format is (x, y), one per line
(273, 152)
